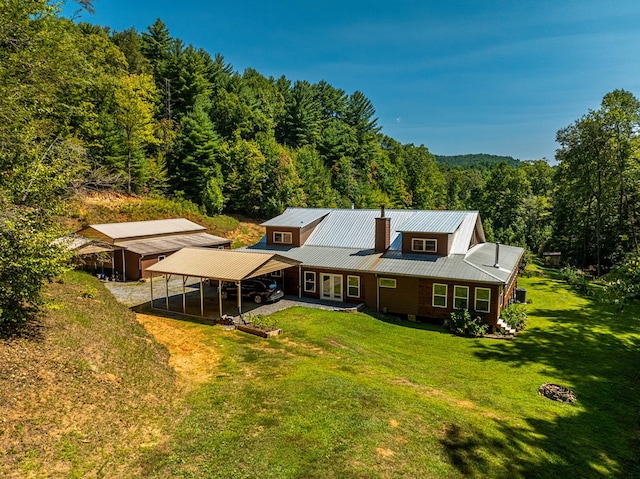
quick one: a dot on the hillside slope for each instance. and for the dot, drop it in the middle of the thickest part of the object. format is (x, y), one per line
(84, 390)
(112, 207)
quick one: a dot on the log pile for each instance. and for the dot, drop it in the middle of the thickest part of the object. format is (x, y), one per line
(557, 392)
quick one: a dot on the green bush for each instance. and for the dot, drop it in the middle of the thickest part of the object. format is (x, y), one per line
(515, 316)
(464, 323)
(575, 278)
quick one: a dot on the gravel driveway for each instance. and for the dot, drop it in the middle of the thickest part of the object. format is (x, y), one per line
(137, 293)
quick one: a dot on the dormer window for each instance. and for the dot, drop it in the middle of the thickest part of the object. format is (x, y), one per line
(282, 237)
(424, 245)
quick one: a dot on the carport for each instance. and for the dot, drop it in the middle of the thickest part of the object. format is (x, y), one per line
(216, 265)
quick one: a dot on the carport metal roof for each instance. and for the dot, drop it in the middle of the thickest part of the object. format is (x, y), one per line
(222, 265)
(219, 264)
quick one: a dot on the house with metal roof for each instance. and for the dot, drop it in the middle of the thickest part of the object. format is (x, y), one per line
(137, 245)
(423, 264)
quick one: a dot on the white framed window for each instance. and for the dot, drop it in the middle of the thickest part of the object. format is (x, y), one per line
(221, 247)
(161, 257)
(461, 297)
(387, 282)
(424, 245)
(483, 300)
(283, 237)
(276, 274)
(310, 281)
(353, 286)
(439, 299)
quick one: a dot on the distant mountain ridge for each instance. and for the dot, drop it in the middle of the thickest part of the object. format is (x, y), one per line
(476, 160)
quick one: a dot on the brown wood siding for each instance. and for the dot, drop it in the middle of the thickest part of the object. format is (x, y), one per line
(441, 238)
(369, 287)
(307, 230)
(414, 296)
(290, 281)
(403, 299)
(132, 265)
(510, 290)
(149, 261)
(295, 235)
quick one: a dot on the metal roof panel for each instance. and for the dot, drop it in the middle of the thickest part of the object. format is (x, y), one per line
(297, 217)
(226, 265)
(134, 229)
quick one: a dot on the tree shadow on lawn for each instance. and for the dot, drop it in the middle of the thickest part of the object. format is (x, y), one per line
(587, 351)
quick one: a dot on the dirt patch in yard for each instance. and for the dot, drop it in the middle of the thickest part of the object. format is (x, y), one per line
(193, 359)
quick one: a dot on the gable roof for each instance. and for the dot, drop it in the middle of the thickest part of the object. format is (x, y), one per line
(142, 229)
(351, 228)
(345, 240)
(219, 264)
(297, 217)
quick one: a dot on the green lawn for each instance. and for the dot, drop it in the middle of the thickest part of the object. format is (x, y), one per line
(342, 395)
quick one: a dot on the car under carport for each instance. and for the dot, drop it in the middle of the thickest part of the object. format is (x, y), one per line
(216, 265)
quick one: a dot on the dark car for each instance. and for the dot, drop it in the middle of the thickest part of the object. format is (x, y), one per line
(259, 290)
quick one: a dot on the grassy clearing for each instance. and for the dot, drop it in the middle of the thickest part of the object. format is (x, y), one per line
(338, 395)
(350, 395)
(85, 391)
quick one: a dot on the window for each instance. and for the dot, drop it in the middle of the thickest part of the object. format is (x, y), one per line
(221, 247)
(310, 281)
(283, 237)
(424, 245)
(353, 286)
(483, 300)
(276, 274)
(161, 257)
(387, 283)
(439, 295)
(461, 297)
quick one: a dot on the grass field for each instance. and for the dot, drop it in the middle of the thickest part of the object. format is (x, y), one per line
(350, 395)
(338, 395)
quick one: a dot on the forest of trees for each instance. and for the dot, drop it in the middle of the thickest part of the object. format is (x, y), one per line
(86, 107)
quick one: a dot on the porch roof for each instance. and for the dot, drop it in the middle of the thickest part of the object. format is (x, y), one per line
(224, 265)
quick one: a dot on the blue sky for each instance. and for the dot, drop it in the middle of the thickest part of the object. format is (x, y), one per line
(497, 77)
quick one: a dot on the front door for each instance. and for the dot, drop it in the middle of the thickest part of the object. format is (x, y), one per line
(331, 286)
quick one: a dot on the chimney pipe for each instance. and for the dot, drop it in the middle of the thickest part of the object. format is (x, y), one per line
(381, 211)
(497, 262)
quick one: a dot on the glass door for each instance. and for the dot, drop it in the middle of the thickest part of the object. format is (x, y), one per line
(331, 286)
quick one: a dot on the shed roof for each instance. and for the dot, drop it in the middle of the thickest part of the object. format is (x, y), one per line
(142, 229)
(225, 265)
(169, 244)
(83, 246)
(433, 221)
(476, 266)
(297, 217)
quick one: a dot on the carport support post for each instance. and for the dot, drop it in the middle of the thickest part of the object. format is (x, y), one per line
(239, 299)
(166, 290)
(124, 267)
(299, 281)
(151, 283)
(184, 294)
(201, 298)
(220, 296)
